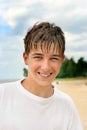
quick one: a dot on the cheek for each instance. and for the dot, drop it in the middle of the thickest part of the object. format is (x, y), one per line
(33, 67)
(57, 67)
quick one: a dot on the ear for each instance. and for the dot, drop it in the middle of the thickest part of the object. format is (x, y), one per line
(63, 57)
(25, 57)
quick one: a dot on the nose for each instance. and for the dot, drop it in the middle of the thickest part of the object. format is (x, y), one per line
(45, 65)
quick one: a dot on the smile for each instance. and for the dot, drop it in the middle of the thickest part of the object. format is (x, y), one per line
(44, 75)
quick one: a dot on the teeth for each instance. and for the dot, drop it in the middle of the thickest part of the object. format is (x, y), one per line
(45, 75)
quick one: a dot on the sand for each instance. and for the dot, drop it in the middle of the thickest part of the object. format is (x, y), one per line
(77, 89)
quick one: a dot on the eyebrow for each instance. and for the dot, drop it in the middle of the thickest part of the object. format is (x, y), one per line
(55, 55)
(39, 54)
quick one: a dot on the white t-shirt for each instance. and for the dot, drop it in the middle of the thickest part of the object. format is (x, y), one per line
(22, 110)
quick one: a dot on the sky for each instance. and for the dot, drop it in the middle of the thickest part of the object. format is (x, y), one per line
(17, 16)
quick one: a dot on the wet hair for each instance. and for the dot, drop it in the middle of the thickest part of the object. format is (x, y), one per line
(46, 34)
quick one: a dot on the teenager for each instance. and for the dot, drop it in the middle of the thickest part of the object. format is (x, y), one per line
(34, 103)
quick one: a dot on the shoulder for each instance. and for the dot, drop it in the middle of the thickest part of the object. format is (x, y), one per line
(8, 91)
(68, 108)
(64, 98)
(7, 87)
(61, 95)
(66, 103)
(7, 84)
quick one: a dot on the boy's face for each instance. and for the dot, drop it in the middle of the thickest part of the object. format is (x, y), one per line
(43, 66)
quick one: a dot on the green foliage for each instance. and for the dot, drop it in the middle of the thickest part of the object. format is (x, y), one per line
(63, 71)
(25, 72)
(69, 68)
(81, 67)
(72, 69)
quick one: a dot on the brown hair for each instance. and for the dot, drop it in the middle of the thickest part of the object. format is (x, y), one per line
(46, 34)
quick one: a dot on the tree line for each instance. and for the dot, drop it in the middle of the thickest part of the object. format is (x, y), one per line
(70, 68)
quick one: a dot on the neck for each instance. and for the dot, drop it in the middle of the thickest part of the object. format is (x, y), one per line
(41, 91)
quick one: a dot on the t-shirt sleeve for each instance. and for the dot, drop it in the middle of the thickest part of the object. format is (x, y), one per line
(75, 121)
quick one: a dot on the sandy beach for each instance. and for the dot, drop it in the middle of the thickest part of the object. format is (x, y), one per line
(77, 89)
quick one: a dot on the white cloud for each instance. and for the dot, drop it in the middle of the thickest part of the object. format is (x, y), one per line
(13, 14)
(76, 45)
(76, 38)
(66, 14)
(76, 55)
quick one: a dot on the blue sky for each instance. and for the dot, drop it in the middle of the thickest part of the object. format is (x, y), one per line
(19, 15)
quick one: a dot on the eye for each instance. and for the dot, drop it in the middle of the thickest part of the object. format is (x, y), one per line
(37, 57)
(56, 58)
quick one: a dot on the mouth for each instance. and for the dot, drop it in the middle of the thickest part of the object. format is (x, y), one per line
(44, 75)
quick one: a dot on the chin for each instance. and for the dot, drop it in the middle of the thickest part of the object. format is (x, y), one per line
(44, 83)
